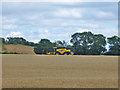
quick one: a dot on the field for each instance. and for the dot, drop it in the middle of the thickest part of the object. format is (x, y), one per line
(35, 71)
(19, 49)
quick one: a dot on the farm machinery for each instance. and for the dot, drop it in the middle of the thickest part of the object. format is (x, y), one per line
(59, 51)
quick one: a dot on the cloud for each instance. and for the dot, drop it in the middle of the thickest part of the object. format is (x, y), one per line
(102, 14)
(15, 34)
(12, 23)
(9, 23)
(58, 21)
(50, 34)
(8, 20)
(33, 17)
(50, 13)
(68, 13)
(42, 31)
(35, 41)
(80, 30)
(60, 1)
(9, 26)
(106, 31)
(91, 25)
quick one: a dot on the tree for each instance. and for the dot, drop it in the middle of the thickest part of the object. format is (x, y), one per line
(98, 45)
(16, 40)
(114, 45)
(2, 40)
(43, 46)
(30, 43)
(65, 44)
(81, 42)
(87, 43)
(61, 43)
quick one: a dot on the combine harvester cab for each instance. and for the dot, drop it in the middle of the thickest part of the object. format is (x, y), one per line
(59, 51)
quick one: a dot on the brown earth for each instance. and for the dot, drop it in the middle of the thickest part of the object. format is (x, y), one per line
(0, 49)
(37, 71)
(20, 49)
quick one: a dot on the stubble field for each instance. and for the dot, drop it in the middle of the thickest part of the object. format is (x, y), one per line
(35, 71)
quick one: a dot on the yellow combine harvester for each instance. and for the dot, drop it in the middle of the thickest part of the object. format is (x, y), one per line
(59, 51)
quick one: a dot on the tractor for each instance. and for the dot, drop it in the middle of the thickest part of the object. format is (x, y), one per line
(59, 51)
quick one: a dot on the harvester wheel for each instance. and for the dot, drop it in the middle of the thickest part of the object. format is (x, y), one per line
(65, 53)
(57, 54)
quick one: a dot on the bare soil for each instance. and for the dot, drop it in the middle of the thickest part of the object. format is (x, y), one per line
(20, 49)
(35, 71)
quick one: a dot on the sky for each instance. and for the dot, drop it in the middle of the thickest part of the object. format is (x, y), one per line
(58, 20)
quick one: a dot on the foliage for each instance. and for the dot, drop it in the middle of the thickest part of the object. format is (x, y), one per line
(114, 45)
(30, 43)
(16, 40)
(2, 40)
(3, 47)
(99, 45)
(61, 43)
(43, 46)
(87, 43)
(10, 53)
(46, 45)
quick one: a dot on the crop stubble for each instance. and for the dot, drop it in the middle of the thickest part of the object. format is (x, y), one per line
(36, 71)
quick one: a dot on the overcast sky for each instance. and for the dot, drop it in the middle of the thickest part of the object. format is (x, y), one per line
(58, 21)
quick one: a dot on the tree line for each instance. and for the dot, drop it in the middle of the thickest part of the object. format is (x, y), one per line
(17, 40)
(86, 43)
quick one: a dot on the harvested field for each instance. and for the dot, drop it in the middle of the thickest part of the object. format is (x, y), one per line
(34, 71)
(20, 49)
